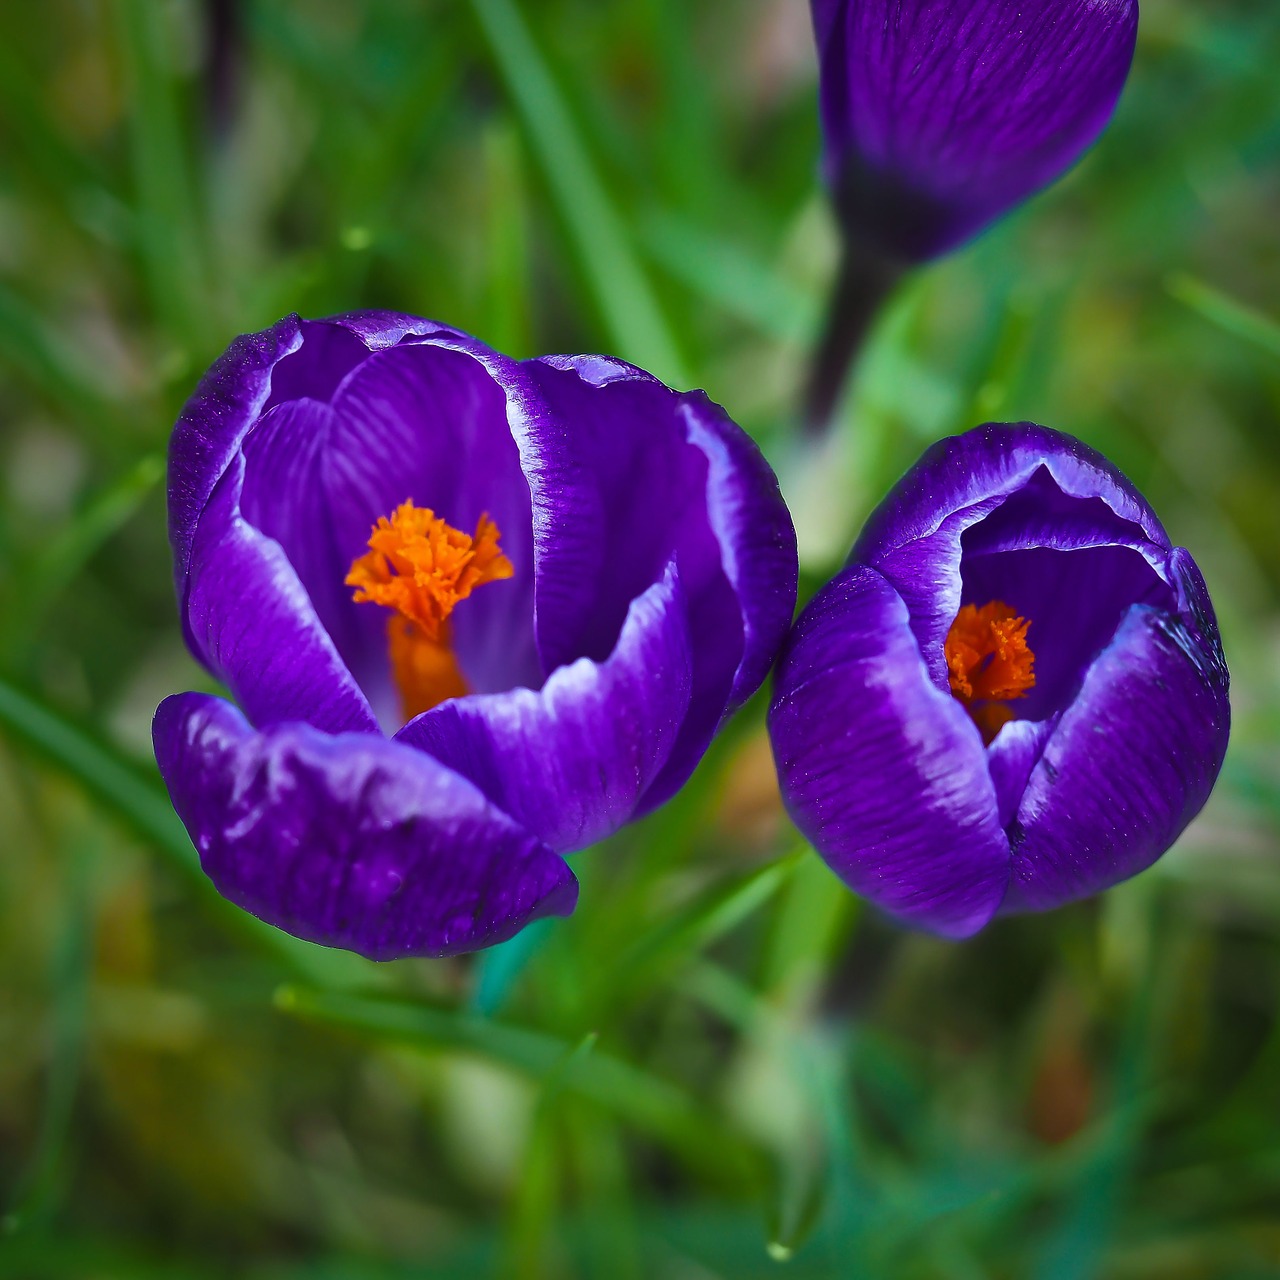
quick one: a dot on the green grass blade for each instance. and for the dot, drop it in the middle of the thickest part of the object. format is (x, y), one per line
(61, 167)
(170, 235)
(45, 578)
(507, 306)
(1095, 1206)
(580, 1069)
(44, 360)
(614, 274)
(46, 1174)
(729, 278)
(103, 774)
(499, 968)
(678, 938)
(1226, 313)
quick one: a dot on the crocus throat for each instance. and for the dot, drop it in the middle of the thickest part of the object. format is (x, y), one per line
(990, 663)
(422, 567)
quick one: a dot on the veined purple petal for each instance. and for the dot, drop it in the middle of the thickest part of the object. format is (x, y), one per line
(1196, 609)
(756, 536)
(1074, 599)
(1130, 764)
(993, 461)
(380, 328)
(885, 774)
(938, 117)
(326, 353)
(212, 424)
(617, 490)
(294, 358)
(627, 474)
(250, 621)
(998, 488)
(1016, 750)
(425, 422)
(759, 558)
(571, 761)
(331, 349)
(349, 839)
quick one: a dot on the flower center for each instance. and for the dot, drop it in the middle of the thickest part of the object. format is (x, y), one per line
(989, 662)
(422, 567)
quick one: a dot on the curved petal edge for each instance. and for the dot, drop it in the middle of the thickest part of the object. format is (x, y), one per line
(351, 840)
(882, 772)
(572, 761)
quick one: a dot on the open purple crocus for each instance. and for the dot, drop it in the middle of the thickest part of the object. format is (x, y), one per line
(476, 613)
(1013, 696)
(940, 116)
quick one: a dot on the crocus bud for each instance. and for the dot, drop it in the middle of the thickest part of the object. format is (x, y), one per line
(939, 116)
(1013, 696)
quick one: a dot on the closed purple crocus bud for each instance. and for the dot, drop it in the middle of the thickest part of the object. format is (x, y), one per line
(938, 117)
(1013, 696)
(476, 613)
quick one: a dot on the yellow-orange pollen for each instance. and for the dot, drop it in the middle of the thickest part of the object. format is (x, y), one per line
(990, 663)
(422, 567)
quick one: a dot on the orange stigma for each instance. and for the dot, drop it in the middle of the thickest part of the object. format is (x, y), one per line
(422, 567)
(989, 662)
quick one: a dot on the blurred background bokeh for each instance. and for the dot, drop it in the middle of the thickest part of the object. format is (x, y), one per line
(722, 1066)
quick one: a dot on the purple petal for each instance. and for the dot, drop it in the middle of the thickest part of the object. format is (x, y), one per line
(1074, 600)
(883, 772)
(627, 474)
(1131, 763)
(617, 490)
(378, 329)
(994, 461)
(756, 536)
(421, 421)
(1015, 751)
(1194, 606)
(435, 417)
(758, 549)
(326, 353)
(938, 117)
(1062, 494)
(331, 349)
(351, 840)
(294, 358)
(213, 423)
(572, 761)
(250, 621)
(270, 396)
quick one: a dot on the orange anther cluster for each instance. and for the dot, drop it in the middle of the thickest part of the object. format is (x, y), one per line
(421, 567)
(989, 662)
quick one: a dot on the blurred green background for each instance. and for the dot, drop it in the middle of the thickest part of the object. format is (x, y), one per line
(722, 1066)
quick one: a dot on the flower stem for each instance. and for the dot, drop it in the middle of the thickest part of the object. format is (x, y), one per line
(224, 63)
(865, 280)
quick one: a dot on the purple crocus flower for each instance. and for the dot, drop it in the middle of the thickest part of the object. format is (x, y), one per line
(940, 116)
(430, 717)
(1013, 696)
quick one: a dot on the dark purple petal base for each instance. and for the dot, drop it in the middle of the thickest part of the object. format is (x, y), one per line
(939, 116)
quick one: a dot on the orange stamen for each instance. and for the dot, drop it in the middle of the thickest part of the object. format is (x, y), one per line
(422, 567)
(989, 662)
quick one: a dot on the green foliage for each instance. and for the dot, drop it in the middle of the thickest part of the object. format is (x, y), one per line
(722, 1065)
